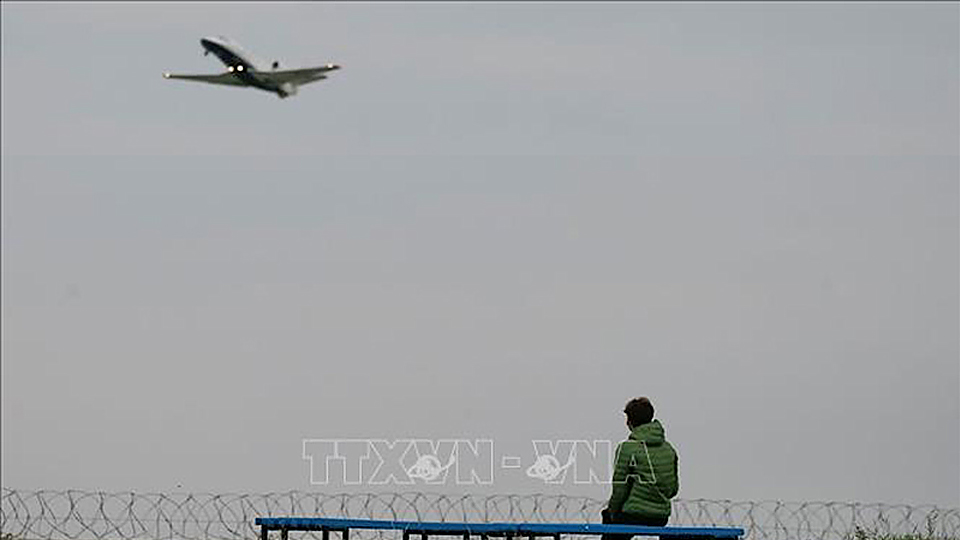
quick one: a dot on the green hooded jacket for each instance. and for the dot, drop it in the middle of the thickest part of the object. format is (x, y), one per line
(645, 475)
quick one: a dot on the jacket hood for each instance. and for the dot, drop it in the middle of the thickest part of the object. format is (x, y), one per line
(650, 433)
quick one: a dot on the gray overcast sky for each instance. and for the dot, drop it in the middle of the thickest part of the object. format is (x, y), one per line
(497, 221)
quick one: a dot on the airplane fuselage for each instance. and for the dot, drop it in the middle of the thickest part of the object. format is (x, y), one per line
(240, 62)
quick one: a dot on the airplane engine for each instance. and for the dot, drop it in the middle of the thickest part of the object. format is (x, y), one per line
(287, 89)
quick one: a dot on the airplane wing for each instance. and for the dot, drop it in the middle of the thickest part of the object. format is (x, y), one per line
(223, 78)
(297, 76)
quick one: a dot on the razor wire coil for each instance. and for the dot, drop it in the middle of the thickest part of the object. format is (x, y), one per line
(89, 515)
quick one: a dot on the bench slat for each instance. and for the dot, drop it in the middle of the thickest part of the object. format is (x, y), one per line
(492, 529)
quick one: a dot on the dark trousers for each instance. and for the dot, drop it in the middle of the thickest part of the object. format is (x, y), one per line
(620, 518)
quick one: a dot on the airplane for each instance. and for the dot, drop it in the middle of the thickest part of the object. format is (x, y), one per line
(246, 70)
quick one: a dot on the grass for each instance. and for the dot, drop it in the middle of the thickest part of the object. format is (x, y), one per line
(860, 533)
(863, 534)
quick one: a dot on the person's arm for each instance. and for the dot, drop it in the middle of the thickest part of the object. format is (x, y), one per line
(621, 473)
(671, 487)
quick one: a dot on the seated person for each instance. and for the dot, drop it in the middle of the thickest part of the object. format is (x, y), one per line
(645, 474)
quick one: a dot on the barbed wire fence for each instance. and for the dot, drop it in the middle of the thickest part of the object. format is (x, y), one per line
(86, 515)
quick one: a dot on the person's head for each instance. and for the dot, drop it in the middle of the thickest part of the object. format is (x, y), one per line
(639, 411)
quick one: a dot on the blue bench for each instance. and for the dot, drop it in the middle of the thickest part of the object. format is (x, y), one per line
(509, 531)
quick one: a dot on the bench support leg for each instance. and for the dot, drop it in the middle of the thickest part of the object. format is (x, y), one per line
(283, 533)
(263, 532)
(325, 534)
